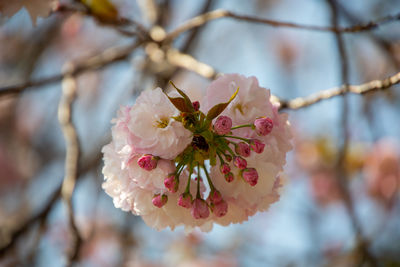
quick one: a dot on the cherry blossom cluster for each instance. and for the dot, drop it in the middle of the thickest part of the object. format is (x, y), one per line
(195, 162)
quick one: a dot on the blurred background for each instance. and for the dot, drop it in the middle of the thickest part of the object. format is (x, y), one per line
(315, 223)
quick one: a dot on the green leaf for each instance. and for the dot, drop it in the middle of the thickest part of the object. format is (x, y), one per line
(217, 109)
(187, 100)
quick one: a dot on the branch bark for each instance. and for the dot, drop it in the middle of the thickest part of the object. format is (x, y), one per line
(218, 14)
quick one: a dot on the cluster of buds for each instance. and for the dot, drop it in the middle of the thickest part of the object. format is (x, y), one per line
(211, 141)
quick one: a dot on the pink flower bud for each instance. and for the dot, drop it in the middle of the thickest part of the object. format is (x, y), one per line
(185, 200)
(229, 177)
(257, 146)
(147, 162)
(200, 209)
(171, 183)
(223, 125)
(159, 200)
(242, 149)
(263, 126)
(250, 175)
(224, 168)
(239, 162)
(220, 209)
(196, 105)
(228, 158)
(215, 197)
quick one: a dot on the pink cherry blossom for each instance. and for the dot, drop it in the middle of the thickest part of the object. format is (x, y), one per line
(382, 171)
(250, 175)
(263, 126)
(257, 146)
(200, 209)
(220, 209)
(215, 196)
(196, 105)
(185, 200)
(147, 162)
(223, 125)
(229, 177)
(224, 168)
(153, 129)
(171, 183)
(159, 200)
(239, 162)
(242, 149)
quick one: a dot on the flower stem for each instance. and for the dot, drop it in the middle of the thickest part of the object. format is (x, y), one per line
(230, 150)
(187, 189)
(208, 179)
(242, 126)
(237, 137)
(198, 181)
(220, 157)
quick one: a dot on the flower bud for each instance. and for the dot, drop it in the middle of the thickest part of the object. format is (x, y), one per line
(239, 162)
(257, 146)
(263, 126)
(220, 209)
(159, 200)
(147, 162)
(171, 183)
(223, 125)
(224, 168)
(215, 197)
(200, 209)
(242, 149)
(228, 158)
(229, 177)
(185, 200)
(196, 105)
(250, 175)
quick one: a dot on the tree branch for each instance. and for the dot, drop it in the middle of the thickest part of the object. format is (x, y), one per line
(107, 57)
(44, 212)
(218, 14)
(72, 154)
(188, 62)
(369, 87)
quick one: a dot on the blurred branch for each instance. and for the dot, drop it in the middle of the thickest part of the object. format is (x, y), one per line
(342, 175)
(187, 45)
(369, 87)
(116, 23)
(107, 57)
(13, 235)
(188, 62)
(383, 44)
(194, 32)
(217, 14)
(69, 88)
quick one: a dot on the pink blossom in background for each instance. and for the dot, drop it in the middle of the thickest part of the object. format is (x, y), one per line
(382, 171)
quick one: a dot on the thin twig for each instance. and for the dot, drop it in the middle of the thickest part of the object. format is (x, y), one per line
(369, 87)
(69, 88)
(218, 14)
(107, 57)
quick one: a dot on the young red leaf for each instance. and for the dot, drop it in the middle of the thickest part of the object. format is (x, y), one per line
(187, 100)
(219, 108)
